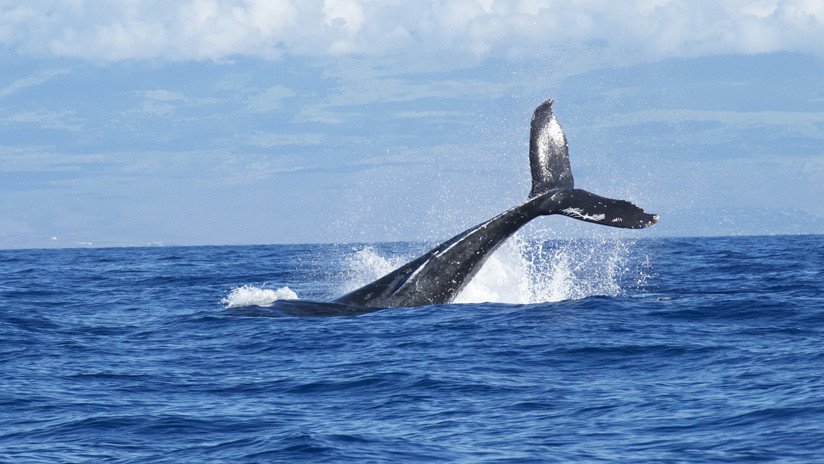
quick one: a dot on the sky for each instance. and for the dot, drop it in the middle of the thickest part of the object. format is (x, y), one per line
(207, 122)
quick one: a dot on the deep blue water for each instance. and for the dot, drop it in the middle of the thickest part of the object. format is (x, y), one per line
(128, 355)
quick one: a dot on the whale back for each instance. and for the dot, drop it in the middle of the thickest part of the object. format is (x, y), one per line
(548, 152)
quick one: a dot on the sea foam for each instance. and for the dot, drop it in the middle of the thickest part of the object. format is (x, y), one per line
(250, 295)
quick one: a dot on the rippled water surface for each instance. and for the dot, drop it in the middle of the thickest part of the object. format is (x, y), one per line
(672, 350)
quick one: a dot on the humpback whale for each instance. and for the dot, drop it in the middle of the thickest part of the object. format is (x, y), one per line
(439, 275)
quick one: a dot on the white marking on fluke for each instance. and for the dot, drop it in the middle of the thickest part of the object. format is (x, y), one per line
(578, 214)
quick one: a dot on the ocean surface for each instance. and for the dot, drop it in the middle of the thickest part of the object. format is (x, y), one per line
(600, 350)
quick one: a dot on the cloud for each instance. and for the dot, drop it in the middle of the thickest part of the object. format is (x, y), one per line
(57, 120)
(270, 99)
(735, 118)
(33, 81)
(796, 123)
(442, 30)
(430, 115)
(160, 102)
(270, 140)
(319, 114)
(162, 95)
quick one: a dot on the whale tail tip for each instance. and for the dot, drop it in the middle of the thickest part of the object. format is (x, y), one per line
(587, 206)
(548, 152)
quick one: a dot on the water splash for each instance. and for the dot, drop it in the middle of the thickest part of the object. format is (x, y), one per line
(522, 271)
(250, 295)
(525, 271)
(506, 277)
(577, 269)
(366, 265)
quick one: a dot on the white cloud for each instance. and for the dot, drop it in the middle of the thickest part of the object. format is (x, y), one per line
(431, 115)
(160, 102)
(162, 95)
(57, 120)
(798, 123)
(442, 30)
(319, 114)
(270, 99)
(270, 140)
(26, 82)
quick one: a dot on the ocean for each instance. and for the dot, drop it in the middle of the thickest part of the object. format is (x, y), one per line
(597, 350)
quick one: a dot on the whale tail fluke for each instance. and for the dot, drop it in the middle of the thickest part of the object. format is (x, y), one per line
(589, 207)
(548, 152)
(552, 176)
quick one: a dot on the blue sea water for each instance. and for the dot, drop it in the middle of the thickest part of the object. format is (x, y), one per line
(664, 350)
